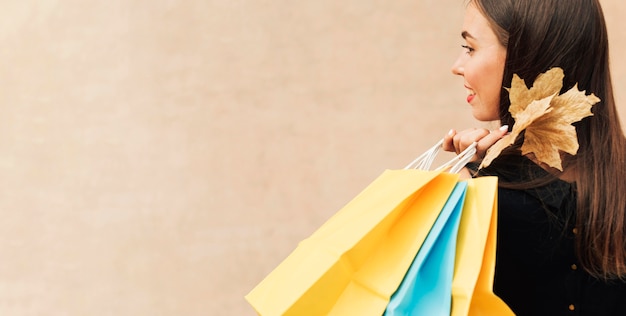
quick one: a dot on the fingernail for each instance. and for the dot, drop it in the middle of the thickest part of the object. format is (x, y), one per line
(504, 128)
(451, 132)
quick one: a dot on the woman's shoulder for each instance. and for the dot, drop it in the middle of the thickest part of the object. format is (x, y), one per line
(523, 177)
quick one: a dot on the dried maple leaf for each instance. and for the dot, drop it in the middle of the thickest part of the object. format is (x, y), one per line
(546, 84)
(524, 118)
(554, 131)
(546, 117)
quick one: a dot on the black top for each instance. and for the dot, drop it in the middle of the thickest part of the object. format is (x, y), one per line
(536, 267)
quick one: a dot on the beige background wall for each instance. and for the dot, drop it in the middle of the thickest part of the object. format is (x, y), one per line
(161, 157)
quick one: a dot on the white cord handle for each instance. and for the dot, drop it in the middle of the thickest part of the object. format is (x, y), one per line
(425, 160)
(457, 163)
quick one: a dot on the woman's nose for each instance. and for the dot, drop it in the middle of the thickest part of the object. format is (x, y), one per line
(457, 67)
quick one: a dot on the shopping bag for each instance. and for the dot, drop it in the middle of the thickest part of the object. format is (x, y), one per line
(472, 285)
(354, 262)
(427, 285)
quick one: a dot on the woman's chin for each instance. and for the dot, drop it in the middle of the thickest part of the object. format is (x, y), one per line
(484, 117)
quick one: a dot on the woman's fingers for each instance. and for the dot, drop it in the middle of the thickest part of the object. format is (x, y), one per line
(488, 140)
(468, 137)
(458, 141)
(448, 144)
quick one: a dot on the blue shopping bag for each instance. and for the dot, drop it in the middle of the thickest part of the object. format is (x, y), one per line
(427, 286)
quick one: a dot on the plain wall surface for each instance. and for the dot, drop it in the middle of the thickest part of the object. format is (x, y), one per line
(161, 157)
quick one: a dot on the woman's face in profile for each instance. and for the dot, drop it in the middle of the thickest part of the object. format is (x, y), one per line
(481, 64)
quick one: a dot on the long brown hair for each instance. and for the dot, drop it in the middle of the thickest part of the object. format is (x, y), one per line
(539, 35)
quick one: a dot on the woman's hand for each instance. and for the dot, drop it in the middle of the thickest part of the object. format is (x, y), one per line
(458, 141)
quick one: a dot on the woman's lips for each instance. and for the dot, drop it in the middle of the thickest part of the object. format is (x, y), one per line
(470, 94)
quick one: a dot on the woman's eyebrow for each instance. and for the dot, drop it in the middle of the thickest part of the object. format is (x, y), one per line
(466, 34)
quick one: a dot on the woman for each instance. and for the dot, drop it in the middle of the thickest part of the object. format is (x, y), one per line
(561, 235)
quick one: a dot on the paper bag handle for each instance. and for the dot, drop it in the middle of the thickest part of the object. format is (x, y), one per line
(425, 160)
(457, 163)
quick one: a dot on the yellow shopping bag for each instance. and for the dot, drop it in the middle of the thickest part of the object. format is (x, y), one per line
(354, 262)
(472, 284)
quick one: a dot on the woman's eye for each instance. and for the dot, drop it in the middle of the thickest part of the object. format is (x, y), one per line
(469, 49)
